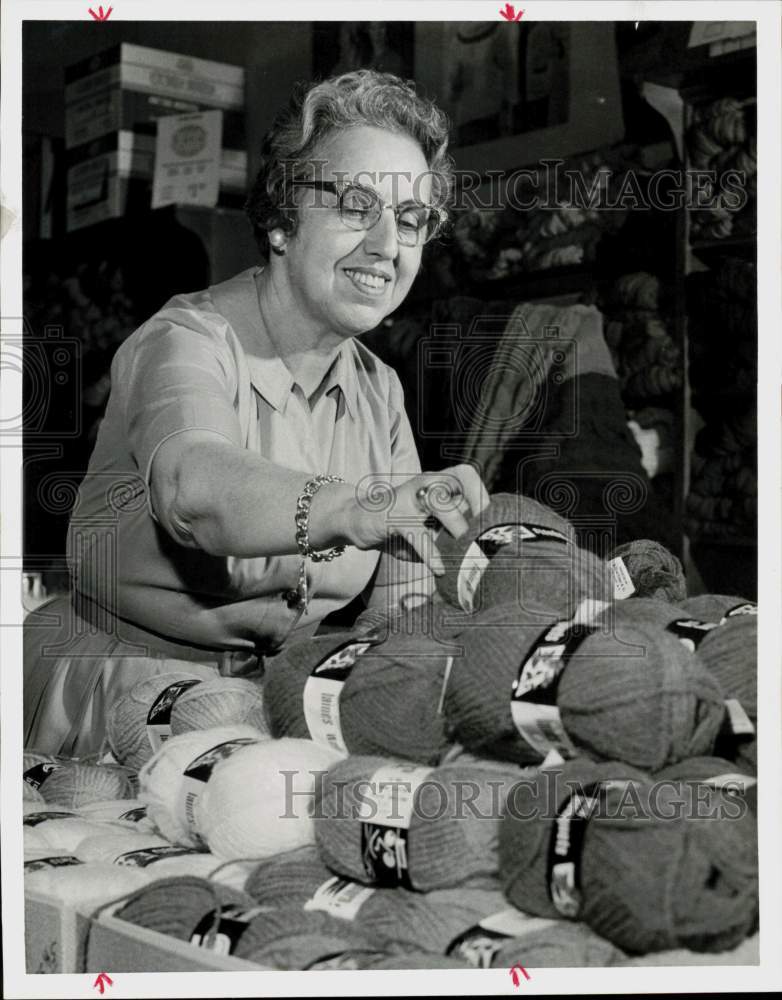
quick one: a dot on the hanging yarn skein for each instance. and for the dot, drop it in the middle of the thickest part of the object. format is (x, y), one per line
(173, 780)
(259, 801)
(393, 823)
(518, 551)
(604, 844)
(650, 570)
(617, 685)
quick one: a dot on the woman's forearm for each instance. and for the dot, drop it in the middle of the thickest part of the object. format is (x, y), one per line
(227, 501)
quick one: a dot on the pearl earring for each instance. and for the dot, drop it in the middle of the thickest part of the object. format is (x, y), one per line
(277, 241)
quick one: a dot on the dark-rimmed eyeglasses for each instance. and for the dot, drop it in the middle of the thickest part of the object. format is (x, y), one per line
(362, 207)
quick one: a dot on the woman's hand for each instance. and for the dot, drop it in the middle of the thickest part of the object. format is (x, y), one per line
(407, 516)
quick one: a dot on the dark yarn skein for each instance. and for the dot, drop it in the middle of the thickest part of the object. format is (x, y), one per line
(703, 770)
(654, 570)
(651, 877)
(712, 607)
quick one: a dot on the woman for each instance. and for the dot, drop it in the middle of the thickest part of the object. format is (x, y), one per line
(255, 460)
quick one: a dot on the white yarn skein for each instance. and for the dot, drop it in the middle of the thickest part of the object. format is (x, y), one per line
(163, 785)
(147, 852)
(225, 701)
(130, 813)
(105, 848)
(64, 834)
(31, 795)
(34, 840)
(75, 785)
(80, 884)
(35, 805)
(126, 722)
(253, 809)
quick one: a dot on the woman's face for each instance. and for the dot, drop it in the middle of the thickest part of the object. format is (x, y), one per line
(344, 280)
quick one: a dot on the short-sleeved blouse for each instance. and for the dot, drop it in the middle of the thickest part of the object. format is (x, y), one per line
(204, 362)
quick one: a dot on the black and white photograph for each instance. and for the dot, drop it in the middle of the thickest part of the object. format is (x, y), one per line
(390, 579)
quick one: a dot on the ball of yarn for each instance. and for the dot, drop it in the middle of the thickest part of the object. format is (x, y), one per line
(165, 787)
(407, 960)
(729, 653)
(713, 607)
(648, 877)
(629, 690)
(288, 672)
(31, 795)
(62, 831)
(298, 939)
(76, 884)
(391, 701)
(259, 802)
(153, 854)
(34, 840)
(654, 571)
(37, 767)
(453, 822)
(179, 906)
(734, 777)
(131, 813)
(75, 785)
(426, 921)
(559, 945)
(225, 701)
(126, 721)
(497, 562)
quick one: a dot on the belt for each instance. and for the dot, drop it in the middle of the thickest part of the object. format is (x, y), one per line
(229, 662)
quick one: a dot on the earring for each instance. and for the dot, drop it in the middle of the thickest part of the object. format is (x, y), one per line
(277, 241)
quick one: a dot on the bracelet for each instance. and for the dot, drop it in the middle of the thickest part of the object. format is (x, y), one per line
(302, 521)
(298, 598)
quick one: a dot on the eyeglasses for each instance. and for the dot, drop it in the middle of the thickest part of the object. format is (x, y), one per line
(362, 207)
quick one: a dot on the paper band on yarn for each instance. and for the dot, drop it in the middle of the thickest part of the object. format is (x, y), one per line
(480, 553)
(533, 703)
(38, 773)
(732, 781)
(233, 922)
(740, 723)
(480, 943)
(159, 714)
(149, 855)
(390, 799)
(565, 848)
(622, 581)
(321, 694)
(58, 861)
(690, 631)
(33, 819)
(750, 608)
(199, 771)
(340, 897)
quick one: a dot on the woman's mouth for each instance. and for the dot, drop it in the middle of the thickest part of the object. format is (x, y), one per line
(366, 282)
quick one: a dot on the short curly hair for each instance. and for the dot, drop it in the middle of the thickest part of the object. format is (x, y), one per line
(362, 97)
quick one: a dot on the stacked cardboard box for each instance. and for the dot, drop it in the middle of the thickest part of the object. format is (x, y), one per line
(113, 101)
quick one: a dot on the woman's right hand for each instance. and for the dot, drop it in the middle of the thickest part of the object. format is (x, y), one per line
(406, 516)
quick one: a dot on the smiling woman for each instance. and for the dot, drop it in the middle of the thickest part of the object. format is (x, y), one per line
(255, 470)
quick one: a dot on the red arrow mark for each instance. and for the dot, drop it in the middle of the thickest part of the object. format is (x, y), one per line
(515, 976)
(101, 979)
(510, 13)
(100, 16)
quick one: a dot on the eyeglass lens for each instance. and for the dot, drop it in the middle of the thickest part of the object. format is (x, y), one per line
(361, 208)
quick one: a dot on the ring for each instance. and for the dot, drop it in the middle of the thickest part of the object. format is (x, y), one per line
(422, 499)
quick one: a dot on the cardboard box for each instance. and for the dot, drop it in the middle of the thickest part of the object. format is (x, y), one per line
(154, 71)
(114, 109)
(54, 935)
(112, 176)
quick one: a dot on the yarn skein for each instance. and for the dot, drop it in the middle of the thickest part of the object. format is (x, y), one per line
(622, 685)
(714, 607)
(640, 872)
(124, 812)
(169, 794)
(440, 831)
(653, 570)
(64, 831)
(516, 551)
(733, 777)
(259, 801)
(225, 701)
(126, 721)
(63, 878)
(75, 785)
(136, 850)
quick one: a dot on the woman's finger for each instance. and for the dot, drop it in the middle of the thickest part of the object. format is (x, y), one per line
(424, 543)
(472, 487)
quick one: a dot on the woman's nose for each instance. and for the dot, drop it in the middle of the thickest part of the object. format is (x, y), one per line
(382, 239)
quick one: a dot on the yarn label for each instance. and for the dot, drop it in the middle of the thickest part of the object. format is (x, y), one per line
(741, 609)
(321, 694)
(159, 715)
(622, 581)
(59, 861)
(384, 853)
(480, 553)
(534, 692)
(232, 924)
(690, 631)
(740, 722)
(38, 773)
(388, 799)
(199, 771)
(134, 815)
(33, 819)
(149, 855)
(732, 782)
(340, 897)
(566, 845)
